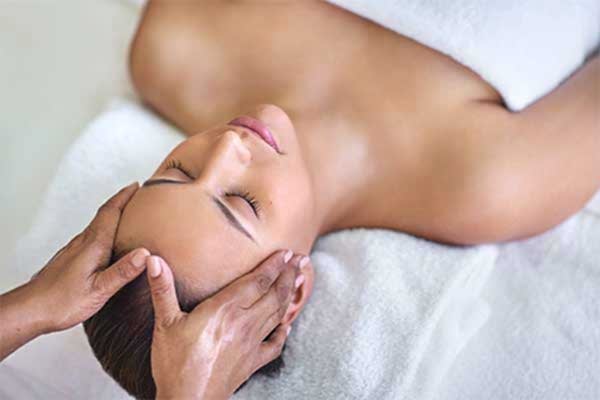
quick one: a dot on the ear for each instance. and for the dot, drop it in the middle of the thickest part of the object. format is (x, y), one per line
(301, 295)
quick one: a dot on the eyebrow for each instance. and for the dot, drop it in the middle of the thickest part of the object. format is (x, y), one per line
(231, 218)
(151, 182)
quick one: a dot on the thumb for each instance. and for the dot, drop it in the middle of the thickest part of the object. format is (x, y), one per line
(126, 269)
(162, 289)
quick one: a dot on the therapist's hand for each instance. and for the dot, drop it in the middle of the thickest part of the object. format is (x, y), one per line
(208, 353)
(75, 284)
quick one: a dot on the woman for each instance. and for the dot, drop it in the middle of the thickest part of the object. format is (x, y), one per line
(340, 123)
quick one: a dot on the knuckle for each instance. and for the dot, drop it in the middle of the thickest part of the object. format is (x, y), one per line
(77, 240)
(98, 285)
(283, 291)
(276, 317)
(272, 266)
(123, 270)
(274, 350)
(161, 325)
(160, 289)
(274, 303)
(90, 234)
(279, 313)
(97, 236)
(263, 283)
(101, 287)
(106, 208)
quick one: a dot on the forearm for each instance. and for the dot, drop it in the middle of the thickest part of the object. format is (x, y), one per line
(21, 319)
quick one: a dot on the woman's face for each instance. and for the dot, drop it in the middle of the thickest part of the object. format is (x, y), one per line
(222, 201)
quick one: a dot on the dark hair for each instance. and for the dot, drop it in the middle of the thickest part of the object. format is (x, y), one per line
(120, 335)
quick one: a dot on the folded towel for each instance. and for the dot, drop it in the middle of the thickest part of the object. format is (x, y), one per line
(388, 315)
(524, 49)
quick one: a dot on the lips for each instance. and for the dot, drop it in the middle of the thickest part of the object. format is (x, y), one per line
(257, 127)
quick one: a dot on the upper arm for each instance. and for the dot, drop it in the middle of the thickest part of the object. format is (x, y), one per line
(169, 63)
(523, 173)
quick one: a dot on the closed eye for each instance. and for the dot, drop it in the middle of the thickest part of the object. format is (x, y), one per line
(174, 163)
(249, 199)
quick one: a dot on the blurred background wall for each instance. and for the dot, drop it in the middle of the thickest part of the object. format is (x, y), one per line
(61, 61)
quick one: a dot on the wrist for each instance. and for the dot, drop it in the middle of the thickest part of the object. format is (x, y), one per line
(20, 320)
(30, 309)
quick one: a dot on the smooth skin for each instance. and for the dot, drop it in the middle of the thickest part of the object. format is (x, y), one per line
(422, 144)
(206, 354)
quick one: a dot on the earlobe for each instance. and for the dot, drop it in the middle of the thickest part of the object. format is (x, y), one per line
(301, 295)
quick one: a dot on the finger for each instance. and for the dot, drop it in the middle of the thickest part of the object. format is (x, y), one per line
(162, 288)
(271, 308)
(272, 348)
(126, 269)
(247, 289)
(104, 225)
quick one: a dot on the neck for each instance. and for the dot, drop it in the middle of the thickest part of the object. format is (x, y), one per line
(338, 157)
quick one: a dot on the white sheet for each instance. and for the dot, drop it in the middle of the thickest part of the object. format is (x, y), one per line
(388, 315)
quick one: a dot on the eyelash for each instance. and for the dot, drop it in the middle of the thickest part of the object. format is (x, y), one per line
(176, 164)
(251, 200)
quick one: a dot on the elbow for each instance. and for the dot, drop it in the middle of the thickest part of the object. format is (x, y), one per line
(491, 212)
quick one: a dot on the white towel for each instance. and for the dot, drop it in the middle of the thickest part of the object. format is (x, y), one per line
(542, 340)
(388, 315)
(524, 49)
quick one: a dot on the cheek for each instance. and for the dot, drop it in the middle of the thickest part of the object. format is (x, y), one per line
(288, 191)
(293, 213)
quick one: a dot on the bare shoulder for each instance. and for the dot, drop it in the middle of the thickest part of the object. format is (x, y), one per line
(171, 58)
(510, 175)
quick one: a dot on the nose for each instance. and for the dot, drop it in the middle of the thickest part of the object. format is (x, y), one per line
(227, 162)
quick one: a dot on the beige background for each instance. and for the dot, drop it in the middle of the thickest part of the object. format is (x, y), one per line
(61, 61)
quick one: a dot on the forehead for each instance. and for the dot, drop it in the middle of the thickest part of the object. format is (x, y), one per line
(185, 228)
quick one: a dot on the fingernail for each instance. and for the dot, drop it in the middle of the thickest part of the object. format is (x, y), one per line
(154, 268)
(299, 281)
(139, 258)
(287, 331)
(287, 256)
(303, 262)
